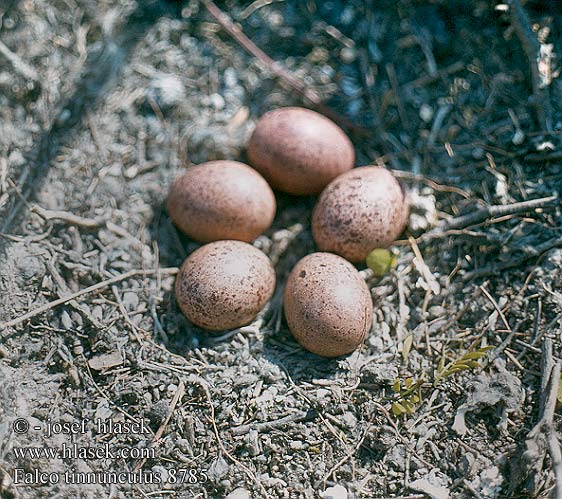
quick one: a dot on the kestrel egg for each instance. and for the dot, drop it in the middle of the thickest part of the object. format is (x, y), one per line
(299, 151)
(221, 200)
(359, 211)
(224, 285)
(327, 305)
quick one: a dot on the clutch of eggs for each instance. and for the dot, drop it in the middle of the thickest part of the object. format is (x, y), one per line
(224, 284)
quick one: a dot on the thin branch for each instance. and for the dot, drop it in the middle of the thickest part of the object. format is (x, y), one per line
(269, 425)
(87, 223)
(403, 174)
(482, 214)
(63, 290)
(258, 4)
(556, 457)
(496, 307)
(391, 72)
(543, 436)
(543, 157)
(65, 216)
(549, 386)
(430, 78)
(514, 262)
(547, 362)
(423, 269)
(19, 65)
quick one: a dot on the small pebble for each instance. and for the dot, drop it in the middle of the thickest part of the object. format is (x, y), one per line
(158, 412)
(348, 55)
(335, 492)
(66, 321)
(217, 101)
(218, 469)
(130, 301)
(239, 493)
(426, 113)
(163, 472)
(166, 90)
(349, 420)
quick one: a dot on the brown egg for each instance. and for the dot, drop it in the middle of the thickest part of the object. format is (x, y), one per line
(299, 151)
(359, 211)
(221, 200)
(223, 285)
(327, 305)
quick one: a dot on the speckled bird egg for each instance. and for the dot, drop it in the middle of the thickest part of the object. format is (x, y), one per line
(327, 305)
(221, 200)
(224, 285)
(359, 211)
(299, 151)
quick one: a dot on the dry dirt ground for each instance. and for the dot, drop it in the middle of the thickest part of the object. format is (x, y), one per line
(103, 103)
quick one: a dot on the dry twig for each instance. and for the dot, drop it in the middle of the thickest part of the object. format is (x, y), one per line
(88, 223)
(518, 261)
(19, 65)
(391, 72)
(269, 425)
(65, 216)
(543, 437)
(482, 214)
(63, 290)
(403, 174)
(496, 307)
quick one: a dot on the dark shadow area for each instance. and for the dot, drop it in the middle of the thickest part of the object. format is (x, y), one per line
(8, 6)
(373, 449)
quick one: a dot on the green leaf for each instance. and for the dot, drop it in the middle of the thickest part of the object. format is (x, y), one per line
(441, 365)
(474, 355)
(380, 261)
(396, 386)
(408, 382)
(407, 346)
(472, 363)
(468, 364)
(410, 409)
(398, 409)
(414, 399)
(454, 370)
